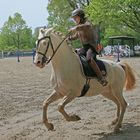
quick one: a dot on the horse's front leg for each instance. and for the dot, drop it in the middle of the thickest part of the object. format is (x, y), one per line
(53, 97)
(61, 106)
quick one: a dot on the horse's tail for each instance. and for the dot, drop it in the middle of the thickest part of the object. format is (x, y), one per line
(130, 77)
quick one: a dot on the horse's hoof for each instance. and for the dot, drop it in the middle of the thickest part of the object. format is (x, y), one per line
(114, 122)
(75, 118)
(116, 130)
(49, 126)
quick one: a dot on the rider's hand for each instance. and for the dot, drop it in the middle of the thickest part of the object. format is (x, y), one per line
(72, 30)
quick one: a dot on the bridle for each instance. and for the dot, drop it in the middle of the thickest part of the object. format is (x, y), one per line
(44, 58)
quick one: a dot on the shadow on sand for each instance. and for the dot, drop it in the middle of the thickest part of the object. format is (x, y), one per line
(129, 132)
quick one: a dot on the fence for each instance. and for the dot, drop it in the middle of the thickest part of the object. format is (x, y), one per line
(122, 50)
(5, 54)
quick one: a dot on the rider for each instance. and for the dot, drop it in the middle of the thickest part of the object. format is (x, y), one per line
(84, 31)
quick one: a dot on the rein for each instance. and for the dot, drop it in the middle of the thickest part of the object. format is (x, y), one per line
(45, 59)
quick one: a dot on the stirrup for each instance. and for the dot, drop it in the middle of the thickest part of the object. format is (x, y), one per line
(103, 81)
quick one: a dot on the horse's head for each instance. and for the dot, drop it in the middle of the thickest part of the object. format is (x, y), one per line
(43, 44)
(48, 44)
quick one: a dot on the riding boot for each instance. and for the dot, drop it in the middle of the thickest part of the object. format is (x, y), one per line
(96, 69)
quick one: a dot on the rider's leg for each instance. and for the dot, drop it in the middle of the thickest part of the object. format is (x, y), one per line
(81, 51)
(95, 67)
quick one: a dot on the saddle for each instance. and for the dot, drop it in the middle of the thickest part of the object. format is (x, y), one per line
(88, 71)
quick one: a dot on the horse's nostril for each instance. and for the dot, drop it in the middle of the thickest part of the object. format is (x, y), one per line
(38, 62)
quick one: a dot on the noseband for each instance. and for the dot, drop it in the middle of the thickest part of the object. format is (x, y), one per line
(44, 58)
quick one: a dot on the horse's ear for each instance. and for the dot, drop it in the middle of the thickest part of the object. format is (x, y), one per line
(48, 30)
(42, 30)
(41, 33)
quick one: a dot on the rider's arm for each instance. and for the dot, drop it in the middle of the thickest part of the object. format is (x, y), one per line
(73, 37)
(82, 26)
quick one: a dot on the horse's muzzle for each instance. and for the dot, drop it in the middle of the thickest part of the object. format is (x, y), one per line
(39, 64)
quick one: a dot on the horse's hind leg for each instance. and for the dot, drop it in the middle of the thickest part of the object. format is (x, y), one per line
(53, 97)
(61, 106)
(111, 97)
(123, 106)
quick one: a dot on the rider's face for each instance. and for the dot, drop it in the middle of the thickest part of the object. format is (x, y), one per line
(76, 19)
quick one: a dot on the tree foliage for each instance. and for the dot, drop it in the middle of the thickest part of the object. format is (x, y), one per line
(15, 34)
(124, 12)
(113, 17)
(60, 12)
(116, 17)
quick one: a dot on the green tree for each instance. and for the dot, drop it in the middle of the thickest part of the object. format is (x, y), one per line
(111, 17)
(15, 34)
(60, 12)
(78, 3)
(116, 17)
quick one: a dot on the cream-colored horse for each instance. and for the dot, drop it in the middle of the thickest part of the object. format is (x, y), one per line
(68, 79)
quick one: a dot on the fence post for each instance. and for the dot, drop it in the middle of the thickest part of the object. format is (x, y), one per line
(2, 54)
(118, 52)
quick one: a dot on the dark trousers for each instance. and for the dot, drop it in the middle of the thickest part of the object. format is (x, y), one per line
(88, 51)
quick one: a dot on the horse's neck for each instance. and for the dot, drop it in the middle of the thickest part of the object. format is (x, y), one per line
(64, 61)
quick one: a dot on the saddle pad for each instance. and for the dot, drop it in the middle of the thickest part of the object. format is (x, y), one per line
(88, 71)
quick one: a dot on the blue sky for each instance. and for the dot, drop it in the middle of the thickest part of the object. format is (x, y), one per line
(34, 12)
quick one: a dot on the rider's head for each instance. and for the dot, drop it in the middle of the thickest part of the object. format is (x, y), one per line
(79, 16)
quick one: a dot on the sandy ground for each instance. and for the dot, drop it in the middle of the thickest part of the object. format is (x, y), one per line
(23, 88)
